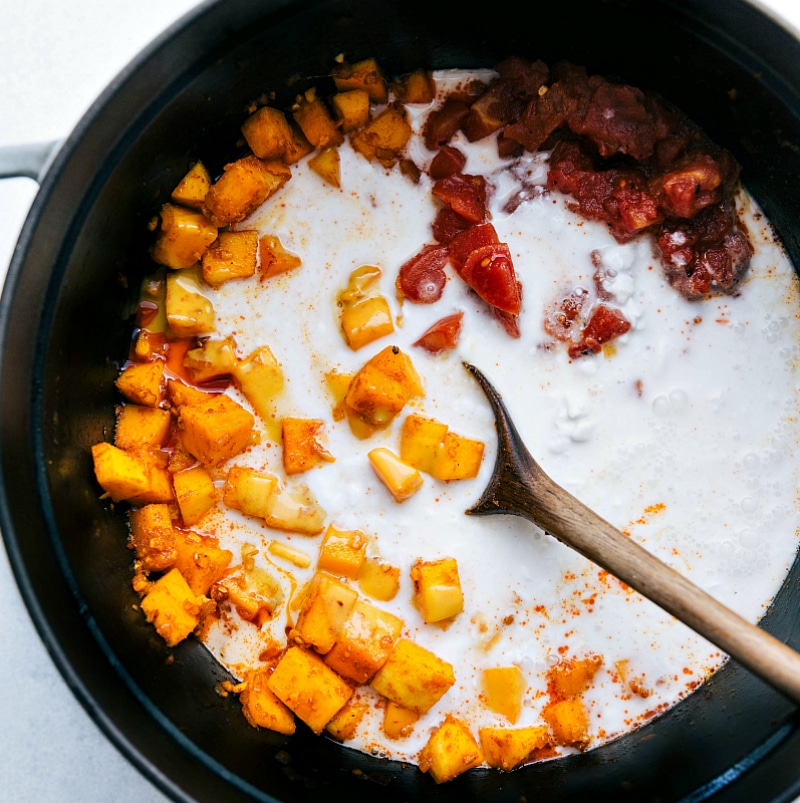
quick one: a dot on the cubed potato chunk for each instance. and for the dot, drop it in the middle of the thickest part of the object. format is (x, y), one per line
(172, 607)
(189, 310)
(568, 721)
(344, 723)
(402, 480)
(215, 430)
(121, 474)
(192, 188)
(244, 185)
(365, 640)
(195, 494)
(302, 449)
(143, 383)
(573, 676)
(261, 708)
(326, 164)
(415, 87)
(153, 537)
(342, 552)
(413, 677)
(233, 255)
(214, 359)
(184, 236)
(365, 75)
(309, 688)
(180, 394)
(260, 378)
(200, 560)
(506, 748)
(254, 592)
(428, 445)
(437, 589)
(159, 480)
(379, 580)
(326, 606)
(250, 491)
(383, 138)
(503, 687)
(298, 146)
(398, 722)
(451, 750)
(295, 509)
(316, 122)
(267, 132)
(274, 259)
(365, 313)
(141, 427)
(351, 108)
(459, 459)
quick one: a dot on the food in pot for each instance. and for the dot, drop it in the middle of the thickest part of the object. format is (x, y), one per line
(297, 439)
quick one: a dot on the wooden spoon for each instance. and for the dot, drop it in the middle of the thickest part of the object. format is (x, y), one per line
(519, 487)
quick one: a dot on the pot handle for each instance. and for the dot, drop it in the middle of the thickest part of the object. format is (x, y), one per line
(30, 160)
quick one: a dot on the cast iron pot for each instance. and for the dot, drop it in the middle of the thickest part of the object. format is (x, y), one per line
(66, 322)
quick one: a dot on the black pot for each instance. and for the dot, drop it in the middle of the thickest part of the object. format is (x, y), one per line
(66, 322)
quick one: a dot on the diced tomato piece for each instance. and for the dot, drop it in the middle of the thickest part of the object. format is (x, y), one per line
(443, 335)
(464, 194)
(562, 319)
(422, 278)
(604, 324)
(508, 321)
(447, 224)
(449, 160)
(464, 243)
(489, 271)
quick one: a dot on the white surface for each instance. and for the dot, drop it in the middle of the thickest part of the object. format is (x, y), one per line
(55, 58)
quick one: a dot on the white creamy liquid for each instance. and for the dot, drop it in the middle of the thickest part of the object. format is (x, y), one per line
(685, 437)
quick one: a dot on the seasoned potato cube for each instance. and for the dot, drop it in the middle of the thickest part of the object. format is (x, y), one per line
(250, 491)
(244, 185)
(195, 494)
(172, 607)
(366, 321)
(261, 708)
(143, 383)
(200, 560)
(326, 605)
(189, 311)
(181, 394)
(254, 592)
(231, 256)
(296, 510)
(383, 385)
(459, 459)
(192, 188)
(573, 676)
(384, 137)
(379, 580)
(506, 748)
(568, 721)
(153, 537)
(342, 552)
(365, 640)
(260, 378)
(365, 74)
(267, 132)
(316, 122)
(215, 430)
(351, 108)
(141, 427)
(326, 164)
(302, 450)
(274, 259)
(402, 480)
(398, 722)
(415, 87)
(159, 480)
(421, 440)
(312, 690)
(437, 589)
(297, 145)
(504, 687)
(212, 360)
(184, 237)
(413, 677)
(121, 474)
(451, 750)
(343, 725)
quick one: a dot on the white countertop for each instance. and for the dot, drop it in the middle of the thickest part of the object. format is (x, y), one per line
(56, 56)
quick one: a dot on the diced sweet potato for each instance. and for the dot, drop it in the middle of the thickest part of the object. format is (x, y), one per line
(261, 708)
(344, 723)
(568, 721)
(143, 383)
(384, 137)
(402, 480)
(159, 480)
(302, 450)
(312, 690)
(189, 310)
(398, 722)
(297, 146)
(351, 108)
(249, 490)
(260, 378)
(195, 493)
(244, 185)
(254, 592)
(153, 537)
(326, 164)
(232, 255)
(379, 580)
(180, 394)
(365, 640)
(316, 122)
(451, 750)
(342, 552)
(428, 445)
(504, 687)
(415, 87)
(172, 607)
(274, 259)
(365, 75)
(214, 430)
(573, 676)
(437, 589)
(121, 474)
(212, 360)
(192, 188)
(184, 237)
(506, 748)
(141, 427)
(267, 132)
(200, 560)
(413, 677)
(326, 605)
(459, 459)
